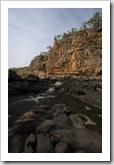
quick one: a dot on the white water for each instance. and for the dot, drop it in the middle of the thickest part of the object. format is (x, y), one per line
(58, 83)
(37, 98)
(50, 90)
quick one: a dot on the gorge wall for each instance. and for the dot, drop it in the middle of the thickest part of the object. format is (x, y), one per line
(79, 53)
(76, 53)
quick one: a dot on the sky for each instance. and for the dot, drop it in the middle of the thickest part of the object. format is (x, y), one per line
(31, 31)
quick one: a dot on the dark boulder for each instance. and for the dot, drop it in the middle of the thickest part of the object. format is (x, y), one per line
(58, 109)
(63, 119)
(25, 126)
(18, 144)
(87, 140)
(29, 149)
(45, 127)
(26, 123)
(13, 76)
(30, 143)
(11, 120)
(80, 139)
(30, 140)
(32, 78)
(43, 114)
(54, 139)
(77, 121)
(44, 145)
(62, 147)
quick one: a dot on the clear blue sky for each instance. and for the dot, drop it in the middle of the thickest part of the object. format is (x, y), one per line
(31, 31)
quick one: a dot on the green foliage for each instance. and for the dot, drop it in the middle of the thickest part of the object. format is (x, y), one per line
(35, 58)
(93, 22)
(49, 47)
(43, 53)
(73, 30)
(84, 25)
(57, 38)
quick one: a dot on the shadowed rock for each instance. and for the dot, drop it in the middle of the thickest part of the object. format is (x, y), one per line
(62, 147)
(11, 120)
(77, 121)
(63, 119)
(45, 127)
(80, 139)
(26, 123)
(32, 78)
(44, 145)
(18, 144)
(30, 143)
(13, 76)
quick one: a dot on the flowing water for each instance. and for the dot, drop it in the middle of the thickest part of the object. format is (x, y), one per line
(17, 105)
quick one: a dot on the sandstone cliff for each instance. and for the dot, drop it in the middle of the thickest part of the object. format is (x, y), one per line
(76, 53)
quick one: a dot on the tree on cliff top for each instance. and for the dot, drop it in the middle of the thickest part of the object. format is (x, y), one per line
(93, 22)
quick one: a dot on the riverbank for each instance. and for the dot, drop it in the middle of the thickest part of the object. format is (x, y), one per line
(58, 119)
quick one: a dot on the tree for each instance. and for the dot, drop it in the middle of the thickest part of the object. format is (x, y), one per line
(58, 36)
(49, 47)
(73, 30)
(96, 20)
(55, 39)
(84, 25)
(93, 22)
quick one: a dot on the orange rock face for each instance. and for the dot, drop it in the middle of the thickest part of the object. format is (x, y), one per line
(79, 53)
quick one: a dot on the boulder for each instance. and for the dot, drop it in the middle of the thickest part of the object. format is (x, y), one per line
(87, 140)
(13, 76)
(30, 140)
(62, 119)
(18, 144)
(11, 120)
(80, 139)
(54, 139)
(62, 147)
(45, 127)
(58, 109)
(85, 119)
(44, 145)
(77, 121)
(32, 78)
(25, 126)
(29, 149)
(42, 113)
(30, 143)
(26, 123)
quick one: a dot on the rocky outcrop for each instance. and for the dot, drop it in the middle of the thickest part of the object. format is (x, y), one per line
(13, 76)
(78, 53)
(31, 83)
(40, 131)
(87, 89)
